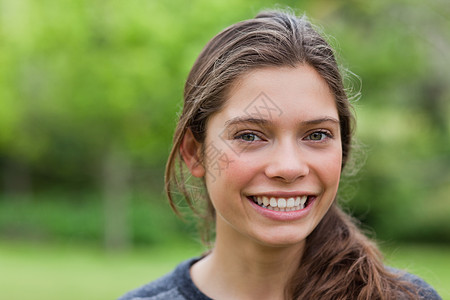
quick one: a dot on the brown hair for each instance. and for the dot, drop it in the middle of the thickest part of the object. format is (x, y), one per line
(339, 262)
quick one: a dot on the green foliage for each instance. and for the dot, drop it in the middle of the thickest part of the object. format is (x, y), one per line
(80, 79)
(80, 218)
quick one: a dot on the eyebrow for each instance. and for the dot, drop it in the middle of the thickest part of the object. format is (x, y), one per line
(320, 121)
(246, 119)
(260, 121)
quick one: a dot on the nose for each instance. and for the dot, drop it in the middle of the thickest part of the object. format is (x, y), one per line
(287, 163)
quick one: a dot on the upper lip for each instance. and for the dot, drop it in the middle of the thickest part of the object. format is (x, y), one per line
(282, 194)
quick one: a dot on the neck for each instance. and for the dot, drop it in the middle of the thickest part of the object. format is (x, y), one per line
(254, 271)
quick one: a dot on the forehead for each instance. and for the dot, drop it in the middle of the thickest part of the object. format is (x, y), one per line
(274, 92)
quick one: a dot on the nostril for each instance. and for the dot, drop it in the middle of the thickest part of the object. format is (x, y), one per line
(287, 174)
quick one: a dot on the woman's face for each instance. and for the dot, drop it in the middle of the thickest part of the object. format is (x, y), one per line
(273, 156)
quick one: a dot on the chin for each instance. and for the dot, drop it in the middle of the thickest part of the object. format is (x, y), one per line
(285, 240)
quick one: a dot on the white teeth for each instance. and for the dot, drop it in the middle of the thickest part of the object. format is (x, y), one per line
(290, 202)
(281, 204)
(302, 201)
(260, 201)
(273, 202)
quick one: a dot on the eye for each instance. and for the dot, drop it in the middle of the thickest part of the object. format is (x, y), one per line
(247, 137)
(319, 136)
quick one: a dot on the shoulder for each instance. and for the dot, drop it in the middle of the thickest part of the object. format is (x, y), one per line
(176, 285)
(425, 291)
(162, 288)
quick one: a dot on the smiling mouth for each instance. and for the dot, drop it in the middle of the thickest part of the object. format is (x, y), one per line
(282, 204)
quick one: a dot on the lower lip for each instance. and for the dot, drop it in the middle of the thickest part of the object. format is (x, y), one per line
(283, 215)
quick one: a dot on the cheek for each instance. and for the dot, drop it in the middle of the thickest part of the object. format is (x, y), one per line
(226, 181)
(230, 170)
(325, 165)
(330, 168)
(225, 162)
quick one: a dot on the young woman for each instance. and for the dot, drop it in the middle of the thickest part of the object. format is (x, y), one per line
(266, 130)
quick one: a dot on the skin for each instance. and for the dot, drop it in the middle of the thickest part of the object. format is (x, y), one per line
(294, 150)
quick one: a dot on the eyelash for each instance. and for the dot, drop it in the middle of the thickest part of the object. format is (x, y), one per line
(240, 136)
(324, 133)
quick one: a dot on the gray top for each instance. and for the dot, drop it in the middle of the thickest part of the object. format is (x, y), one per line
(178, 285)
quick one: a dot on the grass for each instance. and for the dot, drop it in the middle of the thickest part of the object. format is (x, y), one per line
(30, 271)
(75, 272)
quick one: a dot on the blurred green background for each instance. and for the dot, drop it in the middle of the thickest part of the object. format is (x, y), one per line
(89, 93)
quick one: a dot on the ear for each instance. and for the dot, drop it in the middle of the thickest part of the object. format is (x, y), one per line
(190, 151)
